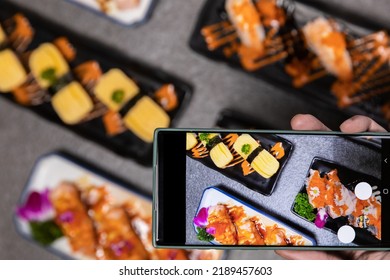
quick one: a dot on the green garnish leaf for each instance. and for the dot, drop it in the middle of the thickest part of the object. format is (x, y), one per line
(49, 75)
(303, 207)
(203, 235)
(45, 232)
(204, 137)
(118, 95)
(246, 148)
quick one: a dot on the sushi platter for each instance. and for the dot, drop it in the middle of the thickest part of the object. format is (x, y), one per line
(318, 59)
(326, 179)
(254, 160)
(84, 85)
(245, 225)
(125, 12)
(69, 206)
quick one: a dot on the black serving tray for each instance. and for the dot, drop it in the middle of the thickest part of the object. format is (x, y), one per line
(147, 77)
(317, 92)
(349, 178)
(253, 181)
(232, 119)
(45, 174)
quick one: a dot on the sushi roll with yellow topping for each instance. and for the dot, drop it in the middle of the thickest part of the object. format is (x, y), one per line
(191, 141)
(12, 72)
(72, 103)
(48, 65)
(144, 117)
(260, 159)
(219, 152)
(141, 115)
(115, 89)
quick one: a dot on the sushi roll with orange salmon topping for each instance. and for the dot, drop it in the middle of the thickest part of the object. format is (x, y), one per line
(246, 20)
(329, 44)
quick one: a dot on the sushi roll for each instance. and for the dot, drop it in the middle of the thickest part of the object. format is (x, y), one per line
(116, 236)
(191, 141)
(12, 72)
(72, 103)
(246, 20)
(329, 44)
(219, 152)
(316, 190)
(114, 89)
(19, 32)
(145, 117)
(247, 233)
(260, 159)
(220, 223)
(48, 65)
(72, 218)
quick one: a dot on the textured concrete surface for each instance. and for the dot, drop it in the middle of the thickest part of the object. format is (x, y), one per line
(161, 42)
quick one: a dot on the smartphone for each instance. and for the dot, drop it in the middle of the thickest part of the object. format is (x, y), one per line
(216, 188)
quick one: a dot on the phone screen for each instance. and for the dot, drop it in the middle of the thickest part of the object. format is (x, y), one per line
(258, 188)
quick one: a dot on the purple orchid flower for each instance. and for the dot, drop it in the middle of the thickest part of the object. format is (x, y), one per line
(321, 218)
(37, 207)
(201, 219)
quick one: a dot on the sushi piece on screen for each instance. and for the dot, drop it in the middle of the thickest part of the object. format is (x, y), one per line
(115, 89)
(219, 152)
(260, 159)
(145, 117)
(191, 140)
(12, 72)
(247, 232)
(48, 65)
(329, 44)
(72, 103)
(220, 225)
(246, 20)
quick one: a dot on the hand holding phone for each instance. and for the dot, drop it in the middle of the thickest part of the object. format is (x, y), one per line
(353, 125)
(240, 188)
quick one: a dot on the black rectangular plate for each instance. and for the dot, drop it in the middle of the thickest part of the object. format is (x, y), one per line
(148, 78)
(254, 181)
(232, 119)
(348, 178)
(317, 92)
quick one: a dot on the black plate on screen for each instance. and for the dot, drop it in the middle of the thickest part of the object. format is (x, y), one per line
(317, 92)
(349, 178)
(254, 181)
(147, 78)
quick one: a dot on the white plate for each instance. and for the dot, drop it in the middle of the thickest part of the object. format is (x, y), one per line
(130, 17)
(213, 196)
(52, 169)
